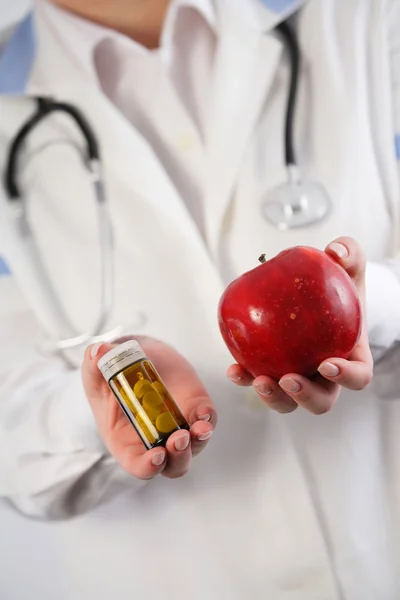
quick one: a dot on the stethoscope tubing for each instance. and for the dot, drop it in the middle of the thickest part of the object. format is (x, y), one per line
(45, 108)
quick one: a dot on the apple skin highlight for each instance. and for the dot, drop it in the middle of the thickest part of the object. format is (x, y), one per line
(290, 313)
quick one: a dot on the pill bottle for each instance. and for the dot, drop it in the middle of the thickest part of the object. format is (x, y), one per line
(141, 394)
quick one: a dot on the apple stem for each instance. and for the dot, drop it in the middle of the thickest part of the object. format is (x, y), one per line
(263, 259)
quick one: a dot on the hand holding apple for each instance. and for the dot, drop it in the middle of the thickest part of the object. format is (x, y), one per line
(310, 333)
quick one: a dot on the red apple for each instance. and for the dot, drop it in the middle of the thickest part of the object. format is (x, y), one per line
(290, 313)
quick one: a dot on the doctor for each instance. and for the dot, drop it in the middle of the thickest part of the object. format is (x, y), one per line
(187, 100)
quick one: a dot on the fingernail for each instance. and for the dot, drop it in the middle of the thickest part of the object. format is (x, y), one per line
(182, 442)
(290, 385)
(328, 370)
(285, 409)
(95, 349)
(263, 389)
(234, 378)
(205, 436)
(339, 249)
(158, 459)
(204, 417)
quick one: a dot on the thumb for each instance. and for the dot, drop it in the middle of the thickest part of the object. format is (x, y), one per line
(349, 254)
(93, 380)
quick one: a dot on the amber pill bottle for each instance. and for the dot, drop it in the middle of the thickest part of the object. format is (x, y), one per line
(141, 394)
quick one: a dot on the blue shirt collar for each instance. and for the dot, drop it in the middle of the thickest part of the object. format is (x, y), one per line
(18, 56)
(282, 7)
(17, 59)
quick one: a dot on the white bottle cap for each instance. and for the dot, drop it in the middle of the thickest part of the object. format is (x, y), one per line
(119, 358)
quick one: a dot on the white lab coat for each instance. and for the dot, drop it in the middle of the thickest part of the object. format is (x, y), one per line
(282, 507)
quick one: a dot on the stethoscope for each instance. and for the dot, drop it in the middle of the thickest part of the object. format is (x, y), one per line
(293, 204)
(91, 156)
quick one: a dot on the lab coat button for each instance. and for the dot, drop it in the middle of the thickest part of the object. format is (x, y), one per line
(186, 141)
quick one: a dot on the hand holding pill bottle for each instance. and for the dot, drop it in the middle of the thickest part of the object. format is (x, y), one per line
(141, 394)
(150, 407)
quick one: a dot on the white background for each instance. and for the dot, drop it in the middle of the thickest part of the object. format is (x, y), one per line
(12, 10)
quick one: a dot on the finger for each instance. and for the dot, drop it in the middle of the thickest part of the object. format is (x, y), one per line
(349, 254)
(239, 376)
(123, 443)
(353, 375)
(273, 396)
(180, 378)
(106, 410)
(141, 463)
(93, 380)
(317, 396)
(201, 433)
(179, 455)
(203, 412)
(356, 372)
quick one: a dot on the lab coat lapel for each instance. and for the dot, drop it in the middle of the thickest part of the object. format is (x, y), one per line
(131, 169)
(129, 161)
(245, 67)
(245, 64)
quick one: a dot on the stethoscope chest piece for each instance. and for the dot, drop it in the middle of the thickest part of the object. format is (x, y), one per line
(296, 203)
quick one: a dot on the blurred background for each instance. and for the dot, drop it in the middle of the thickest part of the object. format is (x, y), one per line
(11, 11)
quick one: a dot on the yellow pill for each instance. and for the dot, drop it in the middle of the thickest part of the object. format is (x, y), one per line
(166, 423)
(141, 388)
(159, 387)
(154, 412)
(152, 400)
